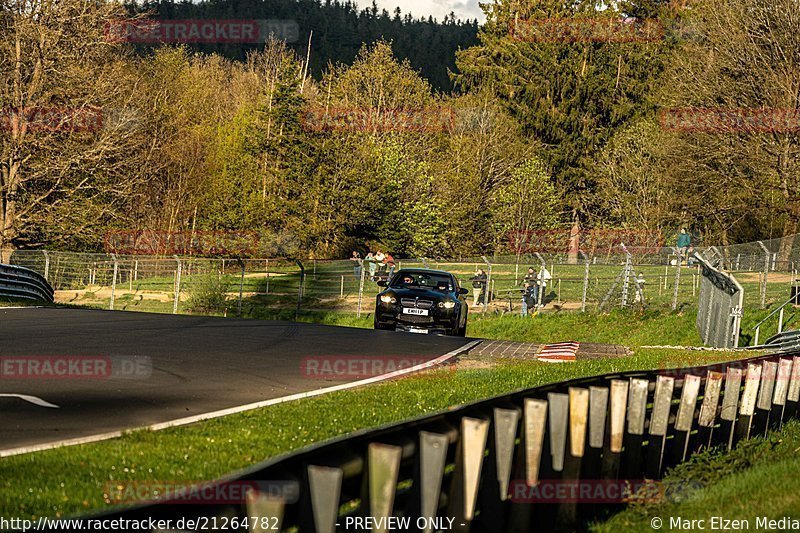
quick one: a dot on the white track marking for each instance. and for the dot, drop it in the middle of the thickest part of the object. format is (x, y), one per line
(35, 400)
(233, 410)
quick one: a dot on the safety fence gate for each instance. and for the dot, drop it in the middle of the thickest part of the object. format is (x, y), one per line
(720, 308)
(515, 463)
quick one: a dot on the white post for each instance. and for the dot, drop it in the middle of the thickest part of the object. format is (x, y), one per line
(47, 265)
(177, 286)
(113, 281)
(360, 292)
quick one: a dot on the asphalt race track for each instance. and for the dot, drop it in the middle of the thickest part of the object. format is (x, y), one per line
(137, 369)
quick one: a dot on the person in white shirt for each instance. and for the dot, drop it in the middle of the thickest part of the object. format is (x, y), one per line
(544, 277)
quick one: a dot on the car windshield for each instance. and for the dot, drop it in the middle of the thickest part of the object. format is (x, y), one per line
(422, 280)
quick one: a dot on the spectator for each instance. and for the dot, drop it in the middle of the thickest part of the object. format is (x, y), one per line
(479, 288)
(690, 256)
(530, 277)
(372, 265)
(528, 298)
(389, 261)
(684, 242)
(544, 277)
(639, 298)
(356, 259)
(380, 260)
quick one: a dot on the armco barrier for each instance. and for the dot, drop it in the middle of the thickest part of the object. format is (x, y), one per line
(478, 467)
(22, 283)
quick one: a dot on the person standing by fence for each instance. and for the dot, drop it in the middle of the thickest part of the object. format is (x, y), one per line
(390, 264)
(684, 243)
(479, 288)
(640, 281)
(380, 258)
(544, 277)
(356, 259)
(528, 298)
(372, 264)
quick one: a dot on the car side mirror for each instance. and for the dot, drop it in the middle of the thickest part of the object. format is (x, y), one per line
(462, 290)
(382, 283)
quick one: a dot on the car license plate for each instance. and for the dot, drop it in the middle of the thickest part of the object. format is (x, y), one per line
(418, 330)
(410, 311)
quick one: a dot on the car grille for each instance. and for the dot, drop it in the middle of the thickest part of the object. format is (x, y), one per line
(419, 304)
(414, 319)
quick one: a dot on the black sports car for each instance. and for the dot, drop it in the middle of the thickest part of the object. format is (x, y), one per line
(422, 301)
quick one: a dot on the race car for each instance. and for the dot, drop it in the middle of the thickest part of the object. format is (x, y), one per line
(422, 301)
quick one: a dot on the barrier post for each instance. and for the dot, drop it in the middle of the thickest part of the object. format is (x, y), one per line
(46, 265)
(487, 289)
(177, 285)
(360, 292)
(585, 284)
(113, 281)
(300, 288)
(677, 279)
(766, 273)
(241, 288)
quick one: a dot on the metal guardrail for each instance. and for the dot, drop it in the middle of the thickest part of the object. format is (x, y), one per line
(477, 464)
(22, 283)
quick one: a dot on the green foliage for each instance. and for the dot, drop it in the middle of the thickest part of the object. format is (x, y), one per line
(207, 293)
(717, 483)
(528, 201)
(572, 96)
(340, 29)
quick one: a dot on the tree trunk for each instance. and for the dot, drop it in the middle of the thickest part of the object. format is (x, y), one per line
(8, 210)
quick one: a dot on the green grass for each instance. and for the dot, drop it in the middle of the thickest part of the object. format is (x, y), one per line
(627, 327)
(757, 479)
(72, 480)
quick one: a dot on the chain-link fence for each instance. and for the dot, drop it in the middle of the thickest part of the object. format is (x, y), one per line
(614, 277)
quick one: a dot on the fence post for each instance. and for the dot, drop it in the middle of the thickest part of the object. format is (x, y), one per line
(626, 282)
(177, 285)
(585, 282)
(488, 283)
(677, 279)
(113, 281)
(300, 288)
(241, 288)
(46, 265)
(341, 289)
(766, 273)
(267, 291)
(360, 292)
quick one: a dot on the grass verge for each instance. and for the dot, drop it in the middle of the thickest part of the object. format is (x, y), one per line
(724, 487)
(68, 481)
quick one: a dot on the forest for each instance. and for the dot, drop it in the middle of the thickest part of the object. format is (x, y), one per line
(419, 137)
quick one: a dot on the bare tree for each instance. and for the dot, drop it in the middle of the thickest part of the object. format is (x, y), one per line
(68, 131)
(740, 161)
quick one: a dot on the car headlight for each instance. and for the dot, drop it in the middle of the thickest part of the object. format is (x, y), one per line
(447, 305)
(388, 299)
